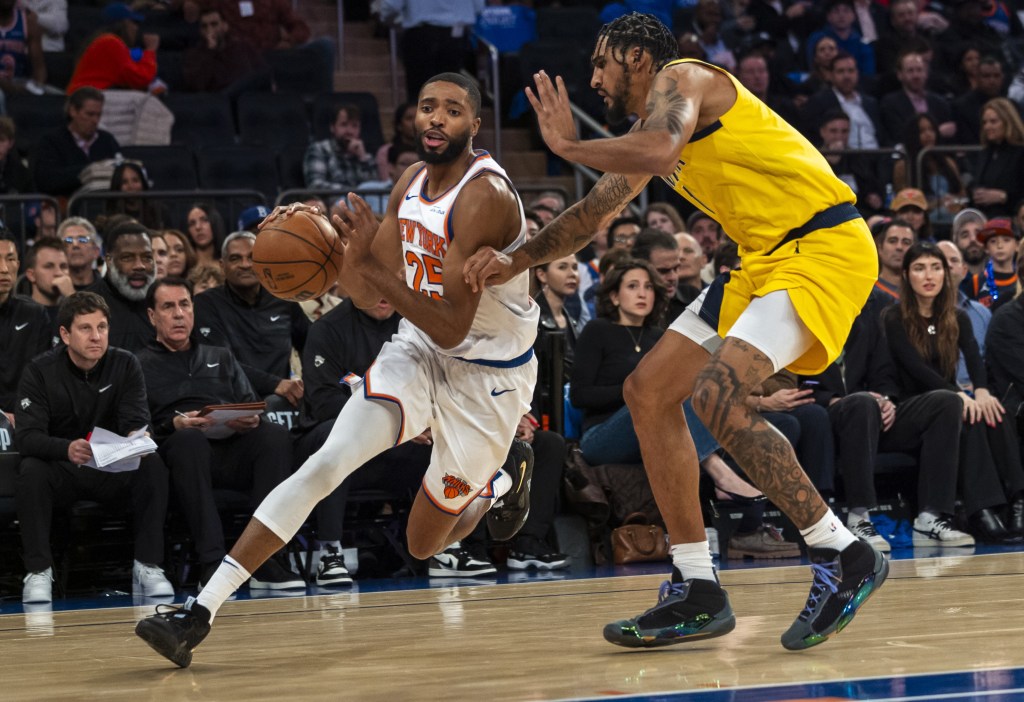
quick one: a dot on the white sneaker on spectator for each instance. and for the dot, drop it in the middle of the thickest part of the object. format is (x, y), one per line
(939, 531)
(331, 570)
(38, 587)
(864, 529)
(151, 581)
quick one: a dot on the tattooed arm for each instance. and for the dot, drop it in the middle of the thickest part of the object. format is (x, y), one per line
(670, 118)
(566, 234)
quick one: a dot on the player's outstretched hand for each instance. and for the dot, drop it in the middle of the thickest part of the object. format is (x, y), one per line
(487, 267)
(357, 225)
(551, 103)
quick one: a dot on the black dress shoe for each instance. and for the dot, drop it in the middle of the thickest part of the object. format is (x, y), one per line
(988, 527)
(748, 501)
(1015, 517)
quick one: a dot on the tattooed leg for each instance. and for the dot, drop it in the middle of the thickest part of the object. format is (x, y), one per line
(654, 393)
(766, 457)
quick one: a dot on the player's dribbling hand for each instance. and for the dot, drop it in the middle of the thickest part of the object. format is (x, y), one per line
(282, 211)
(487, 267)
(551, 103)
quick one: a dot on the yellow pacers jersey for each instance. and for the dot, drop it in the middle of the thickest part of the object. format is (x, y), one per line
(761, 180)
(755, 174)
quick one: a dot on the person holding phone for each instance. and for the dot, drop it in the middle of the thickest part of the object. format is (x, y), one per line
(791, 409)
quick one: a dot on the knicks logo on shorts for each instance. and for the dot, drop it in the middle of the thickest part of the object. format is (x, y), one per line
(454, 487)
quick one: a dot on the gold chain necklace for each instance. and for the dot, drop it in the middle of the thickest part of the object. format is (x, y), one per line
(636, 339)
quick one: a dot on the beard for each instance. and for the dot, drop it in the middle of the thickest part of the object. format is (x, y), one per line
(618, 112)
(456, 145)
(53, 294)
(121, 284)
(973, 255)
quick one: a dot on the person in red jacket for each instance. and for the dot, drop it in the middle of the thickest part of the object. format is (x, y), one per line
(112, 59)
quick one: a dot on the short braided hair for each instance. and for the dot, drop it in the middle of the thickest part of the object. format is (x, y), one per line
(642, 30)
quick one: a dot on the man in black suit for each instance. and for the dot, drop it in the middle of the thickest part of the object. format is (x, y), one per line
(843, 94)
(967, 107)
(899, 106)
(753, 71)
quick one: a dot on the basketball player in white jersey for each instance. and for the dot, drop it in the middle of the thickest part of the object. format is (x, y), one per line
(461, 363)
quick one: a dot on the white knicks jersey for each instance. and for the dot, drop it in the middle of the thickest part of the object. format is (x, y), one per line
(505, 325)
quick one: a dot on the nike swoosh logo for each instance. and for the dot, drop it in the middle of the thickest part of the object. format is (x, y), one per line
(19, 327)
(410, 197)
(104, 389)
(522, 474)
(495, 392)
(212, 365)
(275, 318)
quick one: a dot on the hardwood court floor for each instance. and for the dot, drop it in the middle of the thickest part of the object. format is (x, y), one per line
(534, 641)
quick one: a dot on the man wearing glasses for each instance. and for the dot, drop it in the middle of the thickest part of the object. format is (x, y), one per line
(80, 244)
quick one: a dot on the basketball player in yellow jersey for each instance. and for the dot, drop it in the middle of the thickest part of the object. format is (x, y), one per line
(807, 266)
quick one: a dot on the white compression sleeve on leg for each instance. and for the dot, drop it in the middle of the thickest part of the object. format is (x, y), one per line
(364, 429)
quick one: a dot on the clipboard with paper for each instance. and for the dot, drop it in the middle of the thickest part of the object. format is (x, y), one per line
(222, 414)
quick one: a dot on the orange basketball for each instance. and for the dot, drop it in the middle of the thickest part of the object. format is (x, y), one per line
(297, 257)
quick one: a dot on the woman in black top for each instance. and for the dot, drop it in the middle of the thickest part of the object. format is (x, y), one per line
(629, 302)
(926, 332)
(997, 174)
(130, 176)
(557, 280)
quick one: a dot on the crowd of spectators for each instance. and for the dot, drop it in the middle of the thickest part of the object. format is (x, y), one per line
(916, 107)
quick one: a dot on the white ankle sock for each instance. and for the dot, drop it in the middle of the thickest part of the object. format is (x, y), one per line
(228, 578)
(828, 532)
(694, 561)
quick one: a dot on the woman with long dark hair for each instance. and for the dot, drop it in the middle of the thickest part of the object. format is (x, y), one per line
(940, 176)
(131, 177)
(629, 304)
(926, 332)
(205, 228)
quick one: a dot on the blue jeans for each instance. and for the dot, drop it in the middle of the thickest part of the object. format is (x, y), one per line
(614, 440)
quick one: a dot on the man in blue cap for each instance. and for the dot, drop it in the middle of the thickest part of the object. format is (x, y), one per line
(250, 218)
